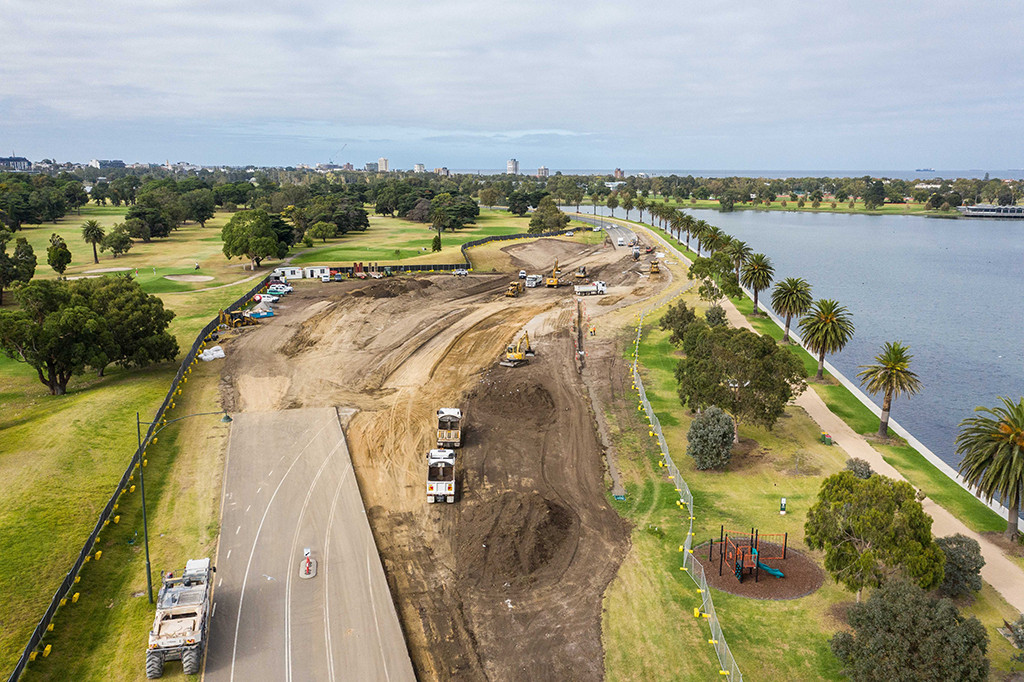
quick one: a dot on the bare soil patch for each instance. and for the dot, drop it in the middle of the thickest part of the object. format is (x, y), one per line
(803, 576)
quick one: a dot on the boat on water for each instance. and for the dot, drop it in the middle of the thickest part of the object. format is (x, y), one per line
(924, 170)
(992, 211)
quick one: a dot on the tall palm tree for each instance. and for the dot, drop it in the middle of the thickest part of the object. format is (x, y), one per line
(715, 238)
(993, 455)
(93, 234)
(627, 204)
(738, 251)
(757, 274)
(891, 376)
(595, 198)
(792, 298)
(641, 205)
(826, 328)
(700, 231)
(688, 224)
(675, 222)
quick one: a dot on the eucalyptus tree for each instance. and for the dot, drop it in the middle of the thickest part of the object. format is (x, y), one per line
(890, 376)
(757, 274)
(826, 328)
(792, 298)
(992, 445)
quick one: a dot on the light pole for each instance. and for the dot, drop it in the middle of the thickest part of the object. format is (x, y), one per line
(142, 483)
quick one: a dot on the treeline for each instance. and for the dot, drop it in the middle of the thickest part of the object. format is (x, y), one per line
(33, 199)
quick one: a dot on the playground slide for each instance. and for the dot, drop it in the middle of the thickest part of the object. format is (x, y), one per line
(770, 571)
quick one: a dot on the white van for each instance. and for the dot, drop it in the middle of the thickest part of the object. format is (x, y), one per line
(622, 241)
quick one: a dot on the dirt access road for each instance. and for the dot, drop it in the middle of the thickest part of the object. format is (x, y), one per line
(507, 583)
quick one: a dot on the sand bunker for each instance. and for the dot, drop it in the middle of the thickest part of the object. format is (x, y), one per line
(89, 272)
(188, 278)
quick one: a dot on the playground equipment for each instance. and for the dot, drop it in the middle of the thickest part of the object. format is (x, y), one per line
(745, 552)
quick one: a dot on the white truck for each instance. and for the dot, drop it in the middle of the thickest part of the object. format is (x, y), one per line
(441, 476)
(592, 288)
(449, 427)
(182, 619)
(533, 280)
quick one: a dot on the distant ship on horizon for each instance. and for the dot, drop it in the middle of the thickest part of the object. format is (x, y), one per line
(924, 170)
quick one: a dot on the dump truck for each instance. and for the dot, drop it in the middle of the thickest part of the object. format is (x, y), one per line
(515, 287)
(449, 427)
(533, 280)
(441, 476)
(655, 268)
(592, 288)
(182, 619)
(518, 353)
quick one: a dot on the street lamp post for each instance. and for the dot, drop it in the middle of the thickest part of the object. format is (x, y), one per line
(142, 483)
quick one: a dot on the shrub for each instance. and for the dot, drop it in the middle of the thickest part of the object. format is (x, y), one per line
(800, 203)
(715, 316)
(963, 565)
(859, 467)
(710, 438)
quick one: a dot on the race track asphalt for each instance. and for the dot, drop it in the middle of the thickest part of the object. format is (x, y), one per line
(289, 486)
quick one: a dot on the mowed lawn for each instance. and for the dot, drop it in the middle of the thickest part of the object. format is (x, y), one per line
(61, 457)
(650, 632)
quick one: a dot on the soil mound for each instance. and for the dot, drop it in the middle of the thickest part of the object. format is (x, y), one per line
(507, 542)
(390, 288)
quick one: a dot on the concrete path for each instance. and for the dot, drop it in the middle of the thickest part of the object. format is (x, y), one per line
(289, 485)
(1000, 572)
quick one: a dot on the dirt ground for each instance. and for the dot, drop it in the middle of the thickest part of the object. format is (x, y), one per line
(802, 574)
(508, 582)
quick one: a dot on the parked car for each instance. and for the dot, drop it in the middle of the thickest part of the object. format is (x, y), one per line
(268, 297)
(522, 274)
(461, 272)
(325, 278)
(596, 228)
(570, 234)
(377, 275)
(280, 289)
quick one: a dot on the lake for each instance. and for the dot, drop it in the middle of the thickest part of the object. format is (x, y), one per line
(953, 290)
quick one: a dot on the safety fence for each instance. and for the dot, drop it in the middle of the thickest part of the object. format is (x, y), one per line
(124, 486)
(726, 662)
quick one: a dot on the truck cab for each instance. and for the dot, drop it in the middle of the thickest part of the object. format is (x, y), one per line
(441, 476)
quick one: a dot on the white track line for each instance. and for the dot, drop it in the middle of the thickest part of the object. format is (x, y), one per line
(288, 580)
(327, 586)
(376, 622)
(259, 529)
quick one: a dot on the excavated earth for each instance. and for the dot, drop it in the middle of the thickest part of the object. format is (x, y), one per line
(507, 583)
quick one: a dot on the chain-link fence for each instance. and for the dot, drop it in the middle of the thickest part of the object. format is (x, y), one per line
(124, 486)
(727, 664)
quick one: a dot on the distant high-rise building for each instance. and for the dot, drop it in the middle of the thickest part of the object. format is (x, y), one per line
(370, 167)
(347, 167)
(542, 172)
(15, 162)
(619, 175)
(443, 172)
(512, 167)
(382, 165)
(419, 168)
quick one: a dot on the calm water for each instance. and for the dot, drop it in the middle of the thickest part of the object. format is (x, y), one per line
(951, 289)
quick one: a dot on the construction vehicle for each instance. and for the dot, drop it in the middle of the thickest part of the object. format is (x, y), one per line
(182, 619)
(441, 476)
(553, 280)
(533, 280)
(636, 253)
(515, 287)
(518, 353)
(655, 268)
(581, 272)
(234, 319)
(592, 288)
(449, 427)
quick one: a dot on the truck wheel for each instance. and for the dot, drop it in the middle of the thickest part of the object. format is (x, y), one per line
(154, 665)
(451, 498)
(430, 499)
(190, 661)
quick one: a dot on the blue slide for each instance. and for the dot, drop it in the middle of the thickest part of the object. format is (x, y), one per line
(770, 571)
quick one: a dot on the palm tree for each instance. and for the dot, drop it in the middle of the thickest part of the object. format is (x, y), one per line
(715, 238)
(993, 451)
(595, 198)
(700, 231)
(827, 328)
(627, 204)
(738, 252)
(891, 376)
(688, 224)
(757, 274)
(641, 205)
(93, 234)
(792, 298)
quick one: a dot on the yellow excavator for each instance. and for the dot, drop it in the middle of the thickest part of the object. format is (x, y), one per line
(553, 280)
(581, 273)
(235, 319)
(518, 353)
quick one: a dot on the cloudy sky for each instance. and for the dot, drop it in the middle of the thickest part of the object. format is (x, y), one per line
(641, 85)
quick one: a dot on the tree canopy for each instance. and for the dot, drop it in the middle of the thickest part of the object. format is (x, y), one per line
(58, 255)
(256, 235)
(547, 218)
(872, 530)
(826, 328)
(19, 266)
(710, 437)
(890, 376)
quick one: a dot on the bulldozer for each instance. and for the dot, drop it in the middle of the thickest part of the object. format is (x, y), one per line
(234, 319)
(518, 353)
(581, 273)
(515, 287)
(655, 268)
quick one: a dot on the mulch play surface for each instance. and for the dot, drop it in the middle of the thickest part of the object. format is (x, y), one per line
(803, 575)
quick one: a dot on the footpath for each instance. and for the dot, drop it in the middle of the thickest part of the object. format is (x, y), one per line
(1005, 576)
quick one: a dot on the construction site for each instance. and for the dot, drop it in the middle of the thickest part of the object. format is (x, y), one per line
(504, 577)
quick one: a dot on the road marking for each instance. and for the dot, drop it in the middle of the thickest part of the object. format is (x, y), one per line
(248, 508)
(227, 557)
(258, 490)
(259, 529)
(214, 612)
(373, 604)
(238, 529)
(288, 580)
(327, 564)
(271, 473)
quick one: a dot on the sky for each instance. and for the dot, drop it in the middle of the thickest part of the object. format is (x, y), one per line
(574, 85)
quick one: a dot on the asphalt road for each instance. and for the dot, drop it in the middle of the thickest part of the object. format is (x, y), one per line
(289, 485)
(614, 230)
